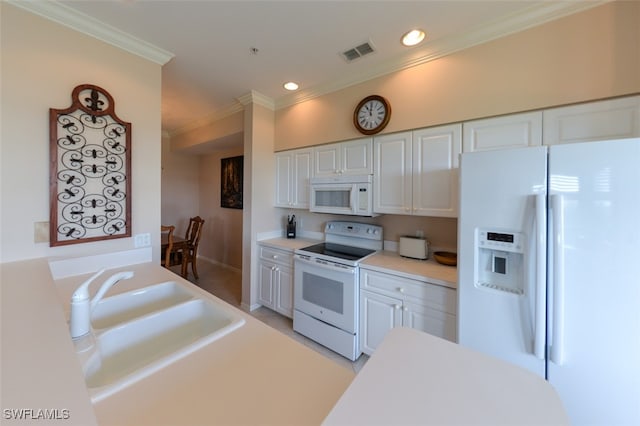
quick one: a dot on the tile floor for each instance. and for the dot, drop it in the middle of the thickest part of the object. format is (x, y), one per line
(226, 284)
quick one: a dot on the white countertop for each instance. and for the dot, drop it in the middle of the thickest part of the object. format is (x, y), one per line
(289, 244)
(40, 369)
(415, 378)
(386, 261)
(421, 270)
(252, 375)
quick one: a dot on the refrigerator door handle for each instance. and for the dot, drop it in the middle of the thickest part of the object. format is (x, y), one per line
(557, 339)
(540, 277)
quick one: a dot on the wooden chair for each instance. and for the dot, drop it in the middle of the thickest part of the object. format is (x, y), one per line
(190, 248)
(168, 252)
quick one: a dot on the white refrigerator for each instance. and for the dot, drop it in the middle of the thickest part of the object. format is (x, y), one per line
(549, 269)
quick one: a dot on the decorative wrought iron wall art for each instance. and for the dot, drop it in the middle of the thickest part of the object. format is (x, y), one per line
(90, 180)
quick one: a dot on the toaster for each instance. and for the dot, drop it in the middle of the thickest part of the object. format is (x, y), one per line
(414, 247)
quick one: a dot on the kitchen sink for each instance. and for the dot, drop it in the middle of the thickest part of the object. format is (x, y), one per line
(132, 350)
(124, 307)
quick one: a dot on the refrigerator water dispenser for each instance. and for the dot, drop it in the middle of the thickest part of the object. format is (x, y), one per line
(500, 258)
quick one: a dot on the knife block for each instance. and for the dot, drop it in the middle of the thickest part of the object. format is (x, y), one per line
(291, 230)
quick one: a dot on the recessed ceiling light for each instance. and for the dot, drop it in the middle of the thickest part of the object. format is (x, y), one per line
(413, 37)
(291, 85)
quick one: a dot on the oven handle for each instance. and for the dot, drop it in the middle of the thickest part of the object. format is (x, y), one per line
(324, 264)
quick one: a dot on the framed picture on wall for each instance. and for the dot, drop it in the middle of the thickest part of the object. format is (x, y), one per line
(231, 170)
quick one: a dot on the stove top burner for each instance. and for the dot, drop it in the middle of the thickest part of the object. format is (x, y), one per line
(339, 251)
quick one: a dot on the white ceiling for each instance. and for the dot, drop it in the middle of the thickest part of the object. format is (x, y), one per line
(297, 40)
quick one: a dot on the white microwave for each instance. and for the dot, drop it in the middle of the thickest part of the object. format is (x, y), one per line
(352, 195)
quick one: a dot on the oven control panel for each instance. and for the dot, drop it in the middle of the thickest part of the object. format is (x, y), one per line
(354, 229)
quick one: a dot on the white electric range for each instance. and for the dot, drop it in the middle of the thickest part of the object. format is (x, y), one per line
(326, 285)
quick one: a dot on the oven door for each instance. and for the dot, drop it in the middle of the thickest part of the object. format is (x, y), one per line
(326, 291)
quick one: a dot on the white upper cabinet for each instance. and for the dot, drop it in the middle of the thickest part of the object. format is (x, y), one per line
(293, 170)
(601, 120)
(436, 154)
(416, 173)
(350, 158)
(509, 131)
(393, 174)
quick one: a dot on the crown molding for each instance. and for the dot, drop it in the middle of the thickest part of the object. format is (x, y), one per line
(257, 98)
(71, 18)
(533, 16)
(207, 119)
(253, 97)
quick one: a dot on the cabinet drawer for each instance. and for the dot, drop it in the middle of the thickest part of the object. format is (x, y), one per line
(281, 257)
(431, 295)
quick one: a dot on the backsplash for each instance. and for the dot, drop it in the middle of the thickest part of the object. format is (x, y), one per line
(441, 232)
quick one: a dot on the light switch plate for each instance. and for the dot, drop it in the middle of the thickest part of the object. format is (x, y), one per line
(142, 240)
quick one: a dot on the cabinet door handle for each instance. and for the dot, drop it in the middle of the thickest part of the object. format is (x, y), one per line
(400, 289)
(396, 307)
(275, 256)
(405, 309)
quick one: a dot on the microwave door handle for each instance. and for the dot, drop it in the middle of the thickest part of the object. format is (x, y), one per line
(355, 191)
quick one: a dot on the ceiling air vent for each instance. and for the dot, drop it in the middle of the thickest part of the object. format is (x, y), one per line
(358, 51)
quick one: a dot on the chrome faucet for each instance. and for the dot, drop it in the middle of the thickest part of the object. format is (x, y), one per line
(81, 305)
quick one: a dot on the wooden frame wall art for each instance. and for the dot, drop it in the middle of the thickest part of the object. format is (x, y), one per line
(90, 170)
(231, 171)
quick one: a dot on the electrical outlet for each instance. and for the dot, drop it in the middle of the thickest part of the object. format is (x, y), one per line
(420, 233)
(142, 240)
(41, 232)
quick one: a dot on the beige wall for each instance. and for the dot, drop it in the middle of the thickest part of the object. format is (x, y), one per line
(259, 215)
(41, 64)
(180, 187)
(441, 232)
(590, 55)
(209, 132)
(222, 233)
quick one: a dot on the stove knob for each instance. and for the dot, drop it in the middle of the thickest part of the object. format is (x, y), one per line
(369, 230)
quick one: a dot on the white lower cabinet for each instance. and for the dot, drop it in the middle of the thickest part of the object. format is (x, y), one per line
(275, 289)
(378, 315)
(388, 301)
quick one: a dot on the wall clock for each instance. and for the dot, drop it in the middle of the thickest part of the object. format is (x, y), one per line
(90, 171)
(372, 115)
